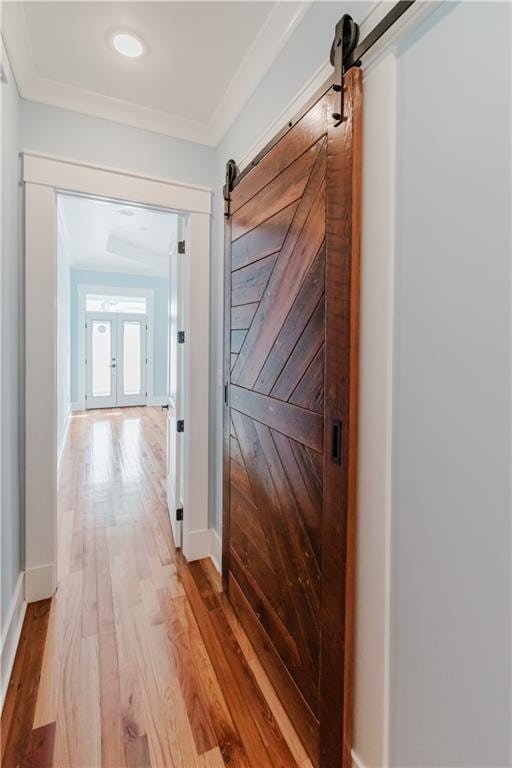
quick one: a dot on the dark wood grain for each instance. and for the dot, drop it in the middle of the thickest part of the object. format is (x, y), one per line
(298, 423)
(291, 509)
(241, 316)
(309, 130)
(284, 190)
(20, 703)
(40, 748)
(265, 239)
(248, 284)
(341, 376)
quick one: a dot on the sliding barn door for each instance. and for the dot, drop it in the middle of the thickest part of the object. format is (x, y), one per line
(291, 373)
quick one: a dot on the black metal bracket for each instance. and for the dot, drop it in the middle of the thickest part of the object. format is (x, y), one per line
(180, 425)
(181, 337)
(181, 246)
(231, 172)
(179, 514)
(346, 36)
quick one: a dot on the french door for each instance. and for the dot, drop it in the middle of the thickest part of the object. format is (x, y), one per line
(115, 359)
(291, 318)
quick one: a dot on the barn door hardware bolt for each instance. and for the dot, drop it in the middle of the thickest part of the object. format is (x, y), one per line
(228, 185)
(346, 36)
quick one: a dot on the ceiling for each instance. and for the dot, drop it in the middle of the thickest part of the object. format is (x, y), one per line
(202, 61)
(115, 237)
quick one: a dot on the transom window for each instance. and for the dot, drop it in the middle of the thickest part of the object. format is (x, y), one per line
(127, 304)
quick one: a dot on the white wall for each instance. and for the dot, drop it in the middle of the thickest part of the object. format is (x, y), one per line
(63, 335)
(11, 360)
(450, 579)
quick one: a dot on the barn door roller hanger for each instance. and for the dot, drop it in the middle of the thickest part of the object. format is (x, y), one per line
(346, 52)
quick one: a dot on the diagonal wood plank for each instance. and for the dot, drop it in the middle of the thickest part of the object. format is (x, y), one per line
(309, 392)
(301, 425)
(248, 284)
(263, 240)
(241, 316)
(303, 307)
(300, 248)
(280, 193)
(303, 354)
(303, 135)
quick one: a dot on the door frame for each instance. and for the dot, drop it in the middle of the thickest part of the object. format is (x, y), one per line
(43, 177)
(148, 293)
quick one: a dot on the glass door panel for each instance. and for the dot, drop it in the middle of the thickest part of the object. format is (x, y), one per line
(100, 362)
(101, 358)
(132, 362)
(131, 380)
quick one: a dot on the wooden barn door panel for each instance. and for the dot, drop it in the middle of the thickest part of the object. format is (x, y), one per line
(291, 361)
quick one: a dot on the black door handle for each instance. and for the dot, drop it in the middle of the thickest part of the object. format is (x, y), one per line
(165, 407)
(336, 441)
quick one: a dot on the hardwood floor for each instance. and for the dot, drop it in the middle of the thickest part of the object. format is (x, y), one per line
(138, 661)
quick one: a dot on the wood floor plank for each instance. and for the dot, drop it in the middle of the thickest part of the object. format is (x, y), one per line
(40, 748)
(133, 663)
(19, 708)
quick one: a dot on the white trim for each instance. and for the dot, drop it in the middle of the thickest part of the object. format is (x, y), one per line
(148, 293)
(98, 181)
(62, 438)
(356, 760)
(280, 24)
(40, 582)
(197, 544)
(76, 407)
(113, 169)
(11, 635)
(43, 178)
(216, 553)
(156, 400)
(270, 39)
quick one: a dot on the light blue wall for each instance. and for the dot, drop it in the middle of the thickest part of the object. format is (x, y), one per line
(11, 378)
(159, 285)
(451, 598)
(102, 142)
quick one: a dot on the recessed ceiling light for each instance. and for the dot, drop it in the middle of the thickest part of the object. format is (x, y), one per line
(128, 45)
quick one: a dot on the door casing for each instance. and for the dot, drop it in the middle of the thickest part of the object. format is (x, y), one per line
(43, 178)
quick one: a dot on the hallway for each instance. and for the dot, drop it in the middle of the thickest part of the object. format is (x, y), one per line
(144, 662)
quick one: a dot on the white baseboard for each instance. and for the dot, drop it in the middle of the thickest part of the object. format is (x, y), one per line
(203, 543)
(63, 439)
(356, 760)
(197, 544)
(39, 582)
(11, 636)
(216, 553)
(156, 400)
(78, 406)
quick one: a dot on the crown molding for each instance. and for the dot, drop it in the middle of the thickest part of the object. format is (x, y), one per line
(280, 24)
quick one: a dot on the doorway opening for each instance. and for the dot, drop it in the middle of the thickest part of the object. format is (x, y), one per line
(119, 303)
(56, 264)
